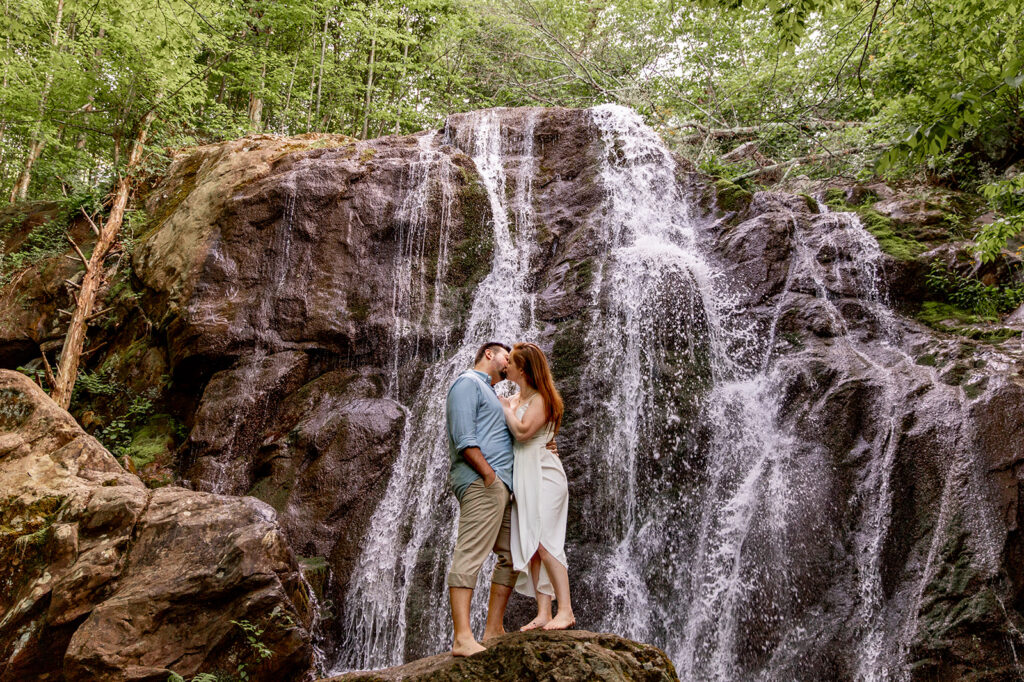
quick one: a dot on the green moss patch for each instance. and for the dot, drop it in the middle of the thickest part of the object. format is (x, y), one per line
(730, 196)
(889, 237)
(154, 442)
(273, 491)
(945, 317)
(892, 239)
(812, 205)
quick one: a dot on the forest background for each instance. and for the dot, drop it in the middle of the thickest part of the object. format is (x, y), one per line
(923, 90)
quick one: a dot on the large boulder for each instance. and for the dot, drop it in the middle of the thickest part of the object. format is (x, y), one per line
(264, 242)
(529, 656)
(105, 579)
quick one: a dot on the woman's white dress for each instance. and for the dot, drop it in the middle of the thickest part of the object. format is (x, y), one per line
(540, 507)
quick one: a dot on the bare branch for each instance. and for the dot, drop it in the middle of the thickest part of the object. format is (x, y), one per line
(811, 158)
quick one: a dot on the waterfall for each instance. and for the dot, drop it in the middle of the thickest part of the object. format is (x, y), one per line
(398, 585)
(696, 479)
(430, 173)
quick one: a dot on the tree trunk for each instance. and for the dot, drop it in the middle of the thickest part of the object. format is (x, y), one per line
(400, 81)
(35, 149)
(256, 98)
(369, 83)
(74, 341)
(320, 78)
(291, 82)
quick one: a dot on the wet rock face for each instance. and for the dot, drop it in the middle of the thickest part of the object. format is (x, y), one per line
(326, 464)
(568, 655)
(297, 250)
(908, 443)
(104, 579)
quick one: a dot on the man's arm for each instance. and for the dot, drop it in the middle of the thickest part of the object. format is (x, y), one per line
(462, 406)
(475, 458)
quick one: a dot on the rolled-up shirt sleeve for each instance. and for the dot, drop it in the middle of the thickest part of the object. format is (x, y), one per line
(461, 413)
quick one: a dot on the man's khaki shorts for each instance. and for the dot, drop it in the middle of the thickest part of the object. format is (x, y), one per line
(485, 525)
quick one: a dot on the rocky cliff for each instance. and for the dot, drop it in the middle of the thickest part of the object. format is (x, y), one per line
(106, 579)
(775, 469)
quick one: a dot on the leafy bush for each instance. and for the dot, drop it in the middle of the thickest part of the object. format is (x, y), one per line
(49, 240)
(1005, 197)
(971, 294)
(118, 434)
(254, 637)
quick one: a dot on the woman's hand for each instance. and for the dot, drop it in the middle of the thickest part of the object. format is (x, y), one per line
(505, 402)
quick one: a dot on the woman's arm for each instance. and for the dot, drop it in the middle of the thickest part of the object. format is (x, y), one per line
(533, 419)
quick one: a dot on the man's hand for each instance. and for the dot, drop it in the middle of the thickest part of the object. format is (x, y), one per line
(553, 447)
(475, 458)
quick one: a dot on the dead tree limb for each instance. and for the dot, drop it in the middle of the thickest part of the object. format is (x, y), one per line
(85, 261)
(92, 223)
(49, 370)
(74, 341)
(744, 131)
(810, 158)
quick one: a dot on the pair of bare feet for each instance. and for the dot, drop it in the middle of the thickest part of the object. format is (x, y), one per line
(563, 621)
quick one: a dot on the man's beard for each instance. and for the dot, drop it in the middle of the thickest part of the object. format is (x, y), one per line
(503, 374)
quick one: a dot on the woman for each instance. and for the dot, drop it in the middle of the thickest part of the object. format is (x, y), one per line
(540, 489)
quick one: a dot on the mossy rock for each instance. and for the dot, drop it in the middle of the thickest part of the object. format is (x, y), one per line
(469, 258)
(316, 571)
(731, 197)
(891, 239)
(948, 318)
(812, 205)
(15, 409)
(152, 449)
(273, 491)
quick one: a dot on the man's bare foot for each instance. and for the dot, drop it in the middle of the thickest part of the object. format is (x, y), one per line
(492, 635)
(563, 621)
(538, 622)
(467, 648)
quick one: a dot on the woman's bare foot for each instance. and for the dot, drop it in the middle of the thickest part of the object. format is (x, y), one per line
(538, 622)
(467, 648)
(563, 621)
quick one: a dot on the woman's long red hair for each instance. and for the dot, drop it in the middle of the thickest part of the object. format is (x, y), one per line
(531, 361)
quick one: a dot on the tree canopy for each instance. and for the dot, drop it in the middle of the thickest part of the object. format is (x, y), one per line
(918, 85)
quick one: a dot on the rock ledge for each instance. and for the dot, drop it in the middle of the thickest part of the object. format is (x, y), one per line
(523, 656)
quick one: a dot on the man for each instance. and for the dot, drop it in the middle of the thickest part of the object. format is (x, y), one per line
(480, 448)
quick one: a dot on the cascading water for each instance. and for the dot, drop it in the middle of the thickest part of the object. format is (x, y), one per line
(399, 581)
(664, 306)
(694, 480)
(410, 298)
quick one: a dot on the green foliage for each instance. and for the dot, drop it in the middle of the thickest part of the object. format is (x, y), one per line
(260, 651)
(201, 677)
(49, 239)
(972, 295)
(1007, 198)
(126, 433)
(44, 241)
(945, 75)
(949, 318)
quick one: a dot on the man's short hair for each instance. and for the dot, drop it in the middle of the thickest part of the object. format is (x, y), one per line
(489, 344)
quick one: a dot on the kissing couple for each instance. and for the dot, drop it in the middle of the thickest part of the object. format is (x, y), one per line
(512, 491)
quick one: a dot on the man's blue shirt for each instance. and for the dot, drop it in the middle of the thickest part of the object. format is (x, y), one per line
(475, 419)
